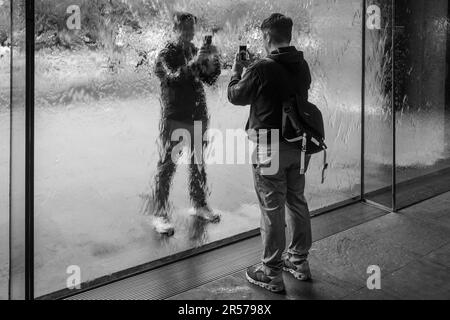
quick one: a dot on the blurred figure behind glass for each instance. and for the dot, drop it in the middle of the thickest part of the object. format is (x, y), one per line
(182, 70)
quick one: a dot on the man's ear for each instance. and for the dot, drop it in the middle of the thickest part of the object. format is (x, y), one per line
(268, 38)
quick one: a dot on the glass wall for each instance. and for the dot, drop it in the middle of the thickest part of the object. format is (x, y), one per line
(98, 111)
(97, 123)
(5, 88)
(18, 155)
(406, 98)
(421, 100)
(378, 115)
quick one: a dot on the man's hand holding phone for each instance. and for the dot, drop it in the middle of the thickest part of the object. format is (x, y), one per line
(203, 54)
(207, 49)
(207, 58)
(241, 61)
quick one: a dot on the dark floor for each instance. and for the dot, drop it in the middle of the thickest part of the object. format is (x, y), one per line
(412, 248)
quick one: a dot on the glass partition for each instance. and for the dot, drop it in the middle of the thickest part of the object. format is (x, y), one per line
(5, 89)
(97, 125)
(378, 113)
(406, 107)
(17, 201)
(422, 100)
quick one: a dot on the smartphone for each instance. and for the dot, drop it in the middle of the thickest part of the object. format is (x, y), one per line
(243, 53)
(207, 41)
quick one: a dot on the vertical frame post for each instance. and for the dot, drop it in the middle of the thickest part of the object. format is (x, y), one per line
(21, 191)
(394, 110)
(10, 226)
(363, 98)
(29, 152)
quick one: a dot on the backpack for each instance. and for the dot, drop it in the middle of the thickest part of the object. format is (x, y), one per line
(303, 125)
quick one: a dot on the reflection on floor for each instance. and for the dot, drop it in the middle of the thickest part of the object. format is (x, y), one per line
(412, 249)
(415, 190)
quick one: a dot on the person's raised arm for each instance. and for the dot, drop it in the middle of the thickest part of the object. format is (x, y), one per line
(210, 68)
(167, 74)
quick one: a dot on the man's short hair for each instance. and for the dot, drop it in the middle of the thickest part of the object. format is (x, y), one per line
(279, 27)
(181, 19)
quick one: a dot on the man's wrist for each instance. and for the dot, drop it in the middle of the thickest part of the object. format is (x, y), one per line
(237, 72)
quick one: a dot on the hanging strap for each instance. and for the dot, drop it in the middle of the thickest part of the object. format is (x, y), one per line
(303, 159)
(304, 146)
(325, 166)
(303, 156)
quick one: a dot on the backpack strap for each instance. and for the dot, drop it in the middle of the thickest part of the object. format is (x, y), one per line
(325, 164)
(303, 155)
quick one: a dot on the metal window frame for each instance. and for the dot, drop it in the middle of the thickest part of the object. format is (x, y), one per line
(29, 150)
(363, 97)
(11, 68)
(394, 113)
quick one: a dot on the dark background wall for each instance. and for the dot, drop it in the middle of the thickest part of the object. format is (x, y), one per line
(421, 55)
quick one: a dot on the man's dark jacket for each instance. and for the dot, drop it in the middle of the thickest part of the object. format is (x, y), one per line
(267, 83)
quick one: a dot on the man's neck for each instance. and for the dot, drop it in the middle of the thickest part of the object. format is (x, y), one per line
(279, 46)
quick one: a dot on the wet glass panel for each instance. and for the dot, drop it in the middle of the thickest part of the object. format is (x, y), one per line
(333, 46)
(17, 188)
(98, 113)
(378, 135)
(421, 97)
(5, 88)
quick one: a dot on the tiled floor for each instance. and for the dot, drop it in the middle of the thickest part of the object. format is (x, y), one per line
(412, 248)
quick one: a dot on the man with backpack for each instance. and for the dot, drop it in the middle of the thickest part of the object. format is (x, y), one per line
(266, 86)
